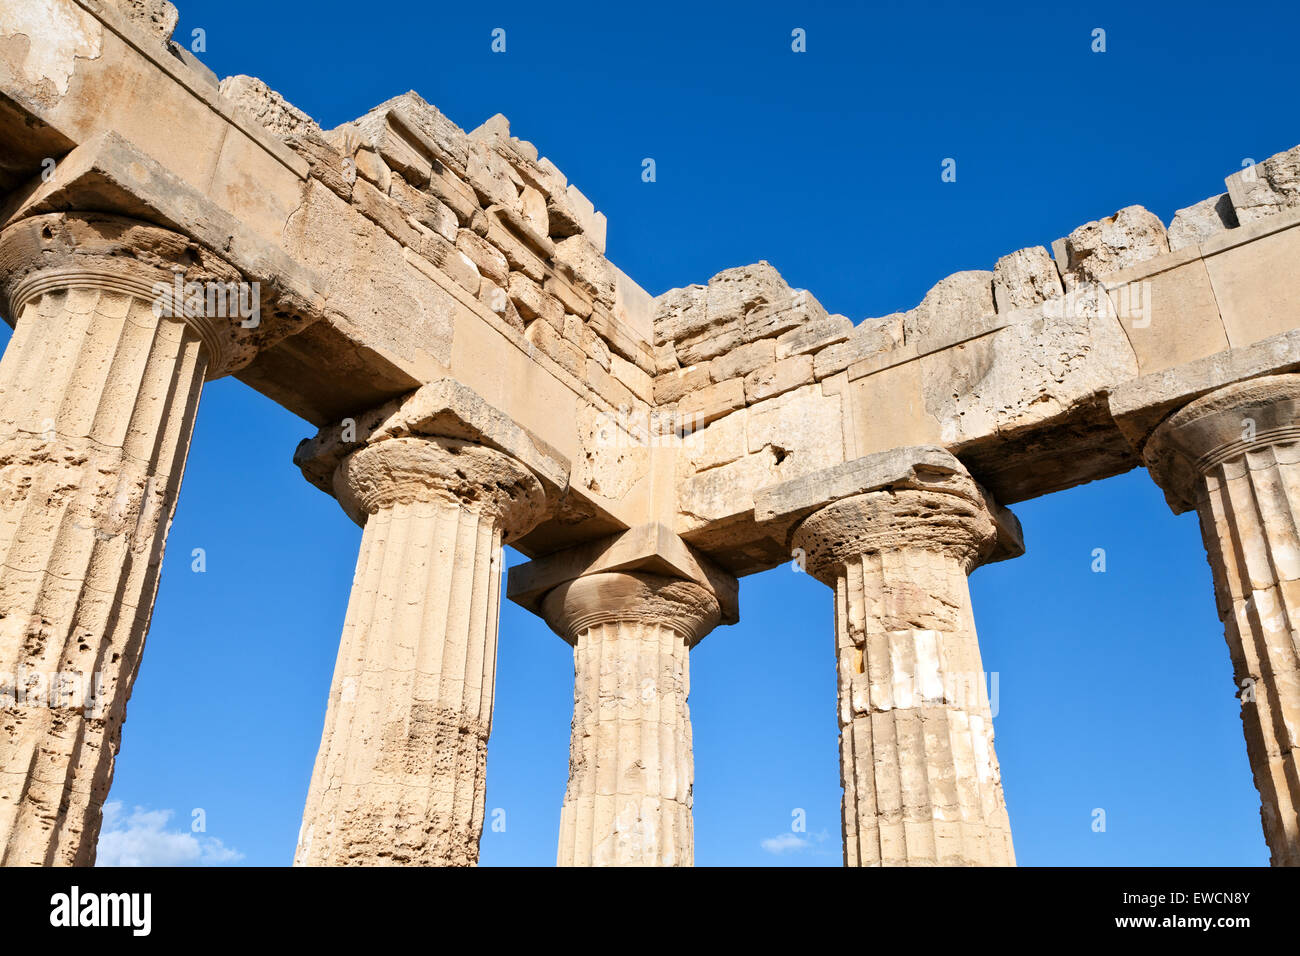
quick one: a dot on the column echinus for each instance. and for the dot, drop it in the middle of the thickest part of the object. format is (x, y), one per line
(920, 776)
(1234, 456)
(98, 392)
(438, 481)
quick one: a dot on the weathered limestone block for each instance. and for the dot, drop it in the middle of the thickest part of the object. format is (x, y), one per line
(495, 132)
(1097, 249)
(98, 392)
(401, 309)
(956, 303)
(719, 443)
(400, 776)
(491, 177)
(721, 493)
(1044, 363)
(533, 303)
(422, 125)
(435, 249)
(517, 253)
(734, 293)
(712, 402)
(498, 300)
(631, 774)
(801, 428)
(571, 298)
(1025, 278)
(268, 109)
(637, 381)
(385, 214)
(486, 257)
(814, 336)
(869, 337)
(705, 322)
(779, 377)
(672, 386)
(921, 780)
(680, 313)
(1195, 224)
(544, 335)
(158, 17)
(422, 207)
(1265, 188)
(742, 360)
(797, 309)
(591, 270)
(1234, 455)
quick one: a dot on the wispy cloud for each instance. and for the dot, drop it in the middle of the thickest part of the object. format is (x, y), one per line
(140, 838)
(793, 842)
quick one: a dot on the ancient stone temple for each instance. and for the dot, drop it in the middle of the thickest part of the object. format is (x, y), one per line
(438, 305)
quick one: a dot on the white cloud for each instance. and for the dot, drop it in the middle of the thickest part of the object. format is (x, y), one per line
(139, 838)
(796, 843)
(785, 843)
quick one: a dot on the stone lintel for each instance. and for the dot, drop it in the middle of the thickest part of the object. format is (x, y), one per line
(785, 504)
(653, 548)
(445, 408)
(1141, 404)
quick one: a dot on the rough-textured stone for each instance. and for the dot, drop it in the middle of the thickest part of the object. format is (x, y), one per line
(1024, 278)
(814, 336)
(671, 386)
(782, 376)
(533, 303)
(1098, 249)
(743, 359)
(1266, 188)
(591, 270)
(956, 304)
(1195, 224)
(869, 337)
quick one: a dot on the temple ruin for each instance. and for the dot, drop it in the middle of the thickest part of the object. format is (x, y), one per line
(438, 304)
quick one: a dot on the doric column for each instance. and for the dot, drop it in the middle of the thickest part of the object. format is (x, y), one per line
(400, 776)
(628, 802)
(920, 777)
(1234, 455)
(98, 392)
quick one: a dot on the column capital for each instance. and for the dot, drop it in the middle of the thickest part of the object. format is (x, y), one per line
(433, 468)
(942, 512)
(625, 597)
(177, 277)
(1228, 423)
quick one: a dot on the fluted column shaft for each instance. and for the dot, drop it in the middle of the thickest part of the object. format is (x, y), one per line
(920, 776)
(1235, 456)
(401, 773)
(98, 394)
(631, 772)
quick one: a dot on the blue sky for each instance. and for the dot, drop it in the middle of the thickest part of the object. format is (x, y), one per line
(1115, 690)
